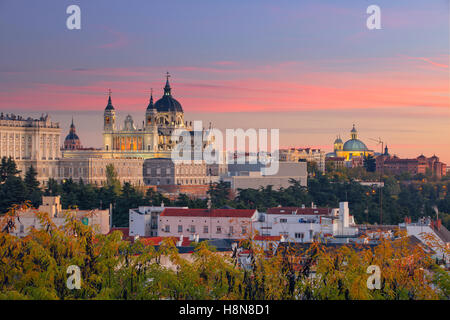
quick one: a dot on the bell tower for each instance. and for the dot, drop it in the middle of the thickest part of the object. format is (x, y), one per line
(354, 133)
(150, 113)
(109, 124)
(109, 116)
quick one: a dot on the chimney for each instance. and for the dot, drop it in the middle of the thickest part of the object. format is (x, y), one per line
(344, 214)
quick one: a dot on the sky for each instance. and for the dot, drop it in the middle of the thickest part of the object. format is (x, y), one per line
(309, 68)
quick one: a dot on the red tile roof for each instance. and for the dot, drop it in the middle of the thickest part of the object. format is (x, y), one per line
(299, 211)
(217, 213)
(155, 241)
(267, 238)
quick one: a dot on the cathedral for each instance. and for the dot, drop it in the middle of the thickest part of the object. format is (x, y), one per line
(351, 148)
(153, 138)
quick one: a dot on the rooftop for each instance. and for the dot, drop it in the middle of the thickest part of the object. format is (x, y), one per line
(217, 213)
(299, 211)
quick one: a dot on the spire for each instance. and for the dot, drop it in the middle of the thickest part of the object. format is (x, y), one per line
(151, 105)
(354, 133)
(167, 88)
(109, 106)
(72, 127)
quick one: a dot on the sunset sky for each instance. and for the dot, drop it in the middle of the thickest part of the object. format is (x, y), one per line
(309, 68)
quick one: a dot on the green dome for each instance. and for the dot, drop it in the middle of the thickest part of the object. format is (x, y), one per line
(355, 145)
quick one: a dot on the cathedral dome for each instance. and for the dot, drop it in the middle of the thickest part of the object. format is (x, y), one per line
(338, 140)
(355, 145)
(167, 103)
(72, 141)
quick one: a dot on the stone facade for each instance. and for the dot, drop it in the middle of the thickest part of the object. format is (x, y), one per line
(308, 154)
(31, 142)
(165, 171)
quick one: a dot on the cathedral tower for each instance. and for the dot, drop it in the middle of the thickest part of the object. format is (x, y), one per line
(109, 124)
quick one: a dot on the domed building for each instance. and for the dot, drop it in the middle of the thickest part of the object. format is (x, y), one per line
(351, 148)
(72, 142)
(162, 118)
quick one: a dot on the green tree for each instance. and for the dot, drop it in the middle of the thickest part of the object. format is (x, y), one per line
(34, 192)
(8, 168)
(111, 178)
(370, 163)
(219, 194)
(129, 198)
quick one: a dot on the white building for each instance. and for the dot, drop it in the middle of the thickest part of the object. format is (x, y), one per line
(250, 177)
(207, 223)
(144, 220)
(31, 142)
(98, 219)
(426, 228)
(305, 224)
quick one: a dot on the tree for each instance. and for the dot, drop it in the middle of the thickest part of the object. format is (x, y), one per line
(312, 168)
(12, 191)
(8, 168)
(219, 194)
(34, 193)
(370, 163)
(53, 188)
(129, 198)
(156, 198)
(111, 178)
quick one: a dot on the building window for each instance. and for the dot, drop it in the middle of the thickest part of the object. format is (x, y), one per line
(167, 228)
(180, 228)
(205, 229)
(219, 230)
(244, 230)
(192, 229)
(299, 235)
(283, 220)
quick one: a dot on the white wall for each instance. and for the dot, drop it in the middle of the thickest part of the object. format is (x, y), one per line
(211, 223)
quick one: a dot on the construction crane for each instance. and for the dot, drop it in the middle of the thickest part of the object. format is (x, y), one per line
(379, 142)
(381, 179)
